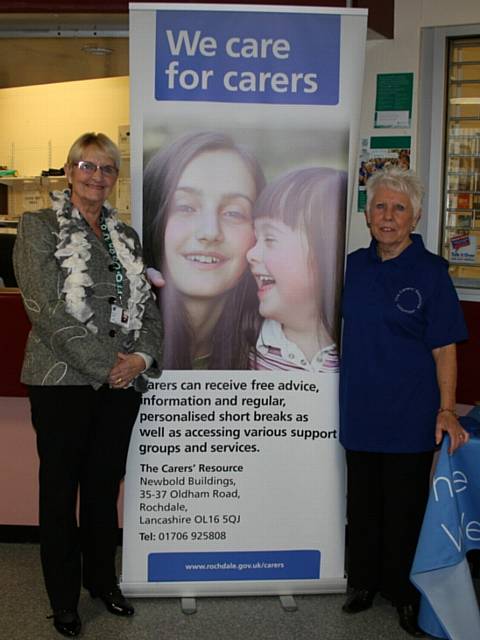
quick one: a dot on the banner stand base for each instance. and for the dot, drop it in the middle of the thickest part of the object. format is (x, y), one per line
(210, 589)
(189, 606)
(288, 603)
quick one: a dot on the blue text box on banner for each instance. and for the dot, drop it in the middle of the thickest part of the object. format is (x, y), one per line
(247, 57)
(300, 564)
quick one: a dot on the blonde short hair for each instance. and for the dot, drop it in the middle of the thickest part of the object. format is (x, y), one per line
(99, 140)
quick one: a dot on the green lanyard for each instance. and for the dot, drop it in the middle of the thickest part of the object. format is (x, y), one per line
(117, 267)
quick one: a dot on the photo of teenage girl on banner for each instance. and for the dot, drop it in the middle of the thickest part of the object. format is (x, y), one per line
(198, 199)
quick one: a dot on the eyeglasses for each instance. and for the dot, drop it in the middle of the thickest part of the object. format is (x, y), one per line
(89, 168)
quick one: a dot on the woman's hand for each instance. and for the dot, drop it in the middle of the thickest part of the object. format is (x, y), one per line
(126, 369)
(155, 278)
(448, 423)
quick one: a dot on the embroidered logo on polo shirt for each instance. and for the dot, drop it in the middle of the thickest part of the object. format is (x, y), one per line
(408, 300)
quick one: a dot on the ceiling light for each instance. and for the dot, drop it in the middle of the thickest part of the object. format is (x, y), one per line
(97, 51)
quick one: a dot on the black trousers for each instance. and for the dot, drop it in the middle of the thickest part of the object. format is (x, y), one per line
(82, 442)
(386, 500)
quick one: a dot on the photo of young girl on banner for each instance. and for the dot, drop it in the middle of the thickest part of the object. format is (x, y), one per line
(297, 264)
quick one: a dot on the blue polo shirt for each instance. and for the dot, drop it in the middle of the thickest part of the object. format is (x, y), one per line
(395, 312)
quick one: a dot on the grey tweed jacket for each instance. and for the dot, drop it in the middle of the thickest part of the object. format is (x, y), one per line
(60, 349)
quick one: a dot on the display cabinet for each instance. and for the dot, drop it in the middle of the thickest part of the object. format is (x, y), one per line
(461, 202)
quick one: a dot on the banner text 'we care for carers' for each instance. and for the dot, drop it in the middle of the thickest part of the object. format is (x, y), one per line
(254, 57)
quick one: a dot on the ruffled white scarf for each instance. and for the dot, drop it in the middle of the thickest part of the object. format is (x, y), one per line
(73, 253)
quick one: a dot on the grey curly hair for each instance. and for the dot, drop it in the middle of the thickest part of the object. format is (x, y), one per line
(398, 180)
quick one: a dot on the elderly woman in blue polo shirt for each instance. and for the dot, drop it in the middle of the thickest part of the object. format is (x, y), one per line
(402, 319)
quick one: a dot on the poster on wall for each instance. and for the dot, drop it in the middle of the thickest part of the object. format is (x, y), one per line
(393, 103)
(241, 122)
(377, 153)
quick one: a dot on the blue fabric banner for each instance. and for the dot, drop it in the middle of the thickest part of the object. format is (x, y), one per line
(451, 527)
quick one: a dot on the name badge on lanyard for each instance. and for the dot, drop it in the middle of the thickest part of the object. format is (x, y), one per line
(119, 316)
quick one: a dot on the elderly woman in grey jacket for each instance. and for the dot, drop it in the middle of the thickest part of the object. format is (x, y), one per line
(95, 331)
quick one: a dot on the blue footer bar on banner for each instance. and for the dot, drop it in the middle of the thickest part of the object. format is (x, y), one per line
(303, 564)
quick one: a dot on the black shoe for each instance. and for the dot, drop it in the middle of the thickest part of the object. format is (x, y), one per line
(407, 618)
(67, 622)
(115, 602)
(359, 600)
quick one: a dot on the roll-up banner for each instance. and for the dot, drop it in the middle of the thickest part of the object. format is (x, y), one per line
(242, 123)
